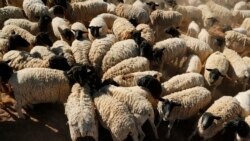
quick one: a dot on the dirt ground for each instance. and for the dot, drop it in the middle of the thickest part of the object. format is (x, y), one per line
(47, 122)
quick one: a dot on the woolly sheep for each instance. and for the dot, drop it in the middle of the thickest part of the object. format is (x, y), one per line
(129, 11)
(131, 79)
(108, 18)
(127, 66)
(99, 48)
(120, 51)
(192, 64)
(147, 33)
(80, 112)
(181, 82)
(122, 29)
(115, 116)
(216, 68)
(221, 111)
(244, 100)
(208, 17)
(41, 52)
(97, 28)
(183, 104)
(193, 29)
(34, 9)
(198, 47)
(10, 12)
(204, 36)
(80, 50)
(247, 60)
(33, 27)
(238, 69)
(79, 30)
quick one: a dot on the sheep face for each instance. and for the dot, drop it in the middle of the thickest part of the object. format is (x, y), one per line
(152, 84)
(79, 34)
(17, 41)
(5, 71)
(207, 120)
(167, 107)
(43, 39)
(172, 31)
(146, 50)
(133, 21)
(68, 35)
(152, 5)
(240, 126)
(136, 35)
(213, 75)
(94, 30)
(43, 22)
(59, 62)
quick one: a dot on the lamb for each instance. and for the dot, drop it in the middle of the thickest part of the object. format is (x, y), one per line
(139, 106)
(192, 64)
(127, 66)
(193, 29)
(33, 27)
(122, 29)
(216, 68)
(34, 9)
(98, 50)
(147, 33)
(181, 82)
(197, 47)
(244, 100)
(115, 116)
(204, 36)
(36, 85)
(80, 112)
(61, 29)
(183, 104)
(129, 11)
(221, 111)
(97, 28)
(131, 79)
(10, 12)
(238, 69)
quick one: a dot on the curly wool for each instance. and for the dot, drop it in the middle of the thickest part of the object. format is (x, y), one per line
(10, 12)
(80, 50)
(147, 33)
(165, 18)
(237, 41)
(192, 64)
(34, 9)
(244, 100)
(41, 52)
(122, 29)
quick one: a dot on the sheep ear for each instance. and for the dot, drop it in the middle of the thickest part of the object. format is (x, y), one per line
(209, 69)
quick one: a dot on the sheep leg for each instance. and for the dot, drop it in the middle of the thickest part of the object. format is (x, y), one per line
(159, 122)
(151, 121)
(141, 133)
(170, 126)
(19, 111)
(134, 135)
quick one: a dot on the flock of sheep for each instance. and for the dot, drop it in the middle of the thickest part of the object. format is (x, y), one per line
(118, 63)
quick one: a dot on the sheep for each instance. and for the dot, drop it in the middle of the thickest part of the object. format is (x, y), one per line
(183, 104)
(10, 12)
(147, 33)
(147, 6)
(108, 18)
(36, 85)
(80, 50)
(131, 79)
(127, 66)
(139, 106)
(34, 9)
(115, 116)
(122, 29)
(197, 47)
(246, 25)
(193, 29)
(40, 39)
(204, 36)
(247, 60)
(80, 112)
(85, 11)
(129, 11)
(181, 82)
(99, 48)
(61, 29)
(244, 100)
(221, 111)
(97, 28)
(238, 42)
(80, 31)
(208, 17)
(192, 64)
(238, 69)
(41, 52)
(17, 3)
(216, 68)
(33, 27)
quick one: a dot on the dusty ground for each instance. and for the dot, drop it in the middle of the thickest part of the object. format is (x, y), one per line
(47, 122)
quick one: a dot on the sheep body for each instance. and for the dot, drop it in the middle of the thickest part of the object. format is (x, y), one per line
(244, 100)
(208, 16)
(193, 29)
(122, 29)
(108, 18)
(80, 50)
(41, 52)
(204, 36)
(193, 64)
(59, 24)
(10, 12)
(34, 9)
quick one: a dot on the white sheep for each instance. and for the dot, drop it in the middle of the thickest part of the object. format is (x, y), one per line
(127, 66)
(244, 100)
(216, 68)
(193, 29)
(80, 31)
(108, 18)
(221, 111)
(115, 116)
(198, 47)
(238, 69)
(208, 17)
(97, 28)
(181, 82)
(192, 64)
(122, 29)
(131, 79)
(80, 50)
(147, 33)
(144, 5)
(120, 51)
(183, 104)
(139, 106)
(34, 9)
(99, 48)
(80, 112)
(204, 36)
(10, 12)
